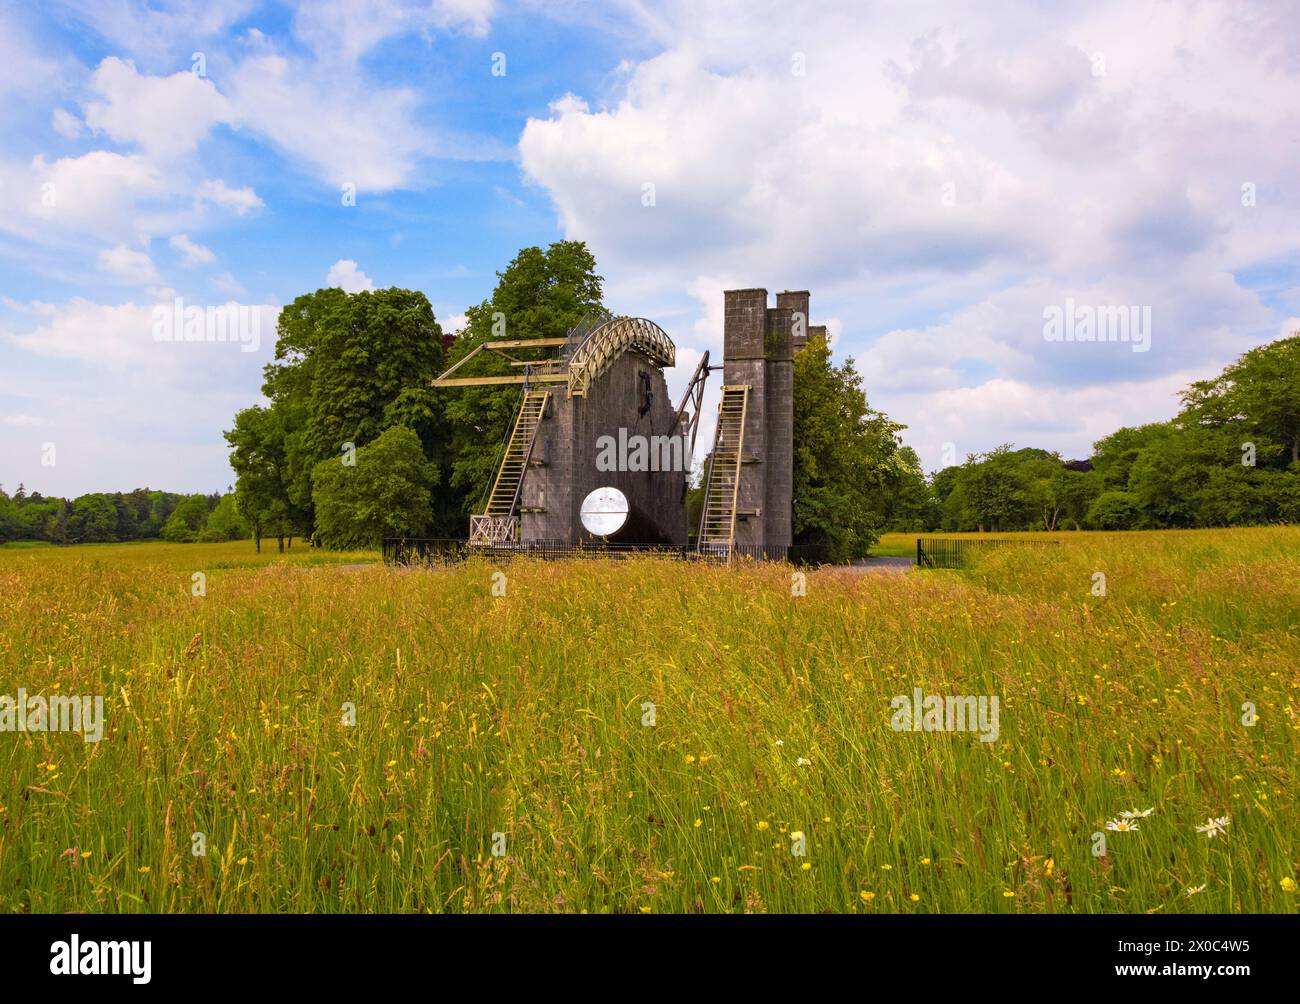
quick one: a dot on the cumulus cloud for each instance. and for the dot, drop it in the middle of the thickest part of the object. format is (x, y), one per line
(346, 276)
(914, 172)
(83, 362)
(164, 116)
(99, 193)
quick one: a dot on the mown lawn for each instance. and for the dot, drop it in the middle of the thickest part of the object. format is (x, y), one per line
(521, 724)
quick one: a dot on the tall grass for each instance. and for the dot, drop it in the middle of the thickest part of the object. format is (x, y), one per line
(524, 715)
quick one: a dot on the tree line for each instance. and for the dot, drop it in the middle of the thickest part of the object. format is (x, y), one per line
(354, 443)
(1230, 457)
(111, 517)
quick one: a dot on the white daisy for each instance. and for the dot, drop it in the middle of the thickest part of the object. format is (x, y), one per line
(1121, 825)
(1135, 814)
(1192, 890)
(1214, 827)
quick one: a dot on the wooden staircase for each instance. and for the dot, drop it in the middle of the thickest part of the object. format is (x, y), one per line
(721, 492)
(498, 524)
(510, 476)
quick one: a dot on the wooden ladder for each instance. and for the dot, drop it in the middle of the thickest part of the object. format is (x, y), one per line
(722, 491)
(504, 499)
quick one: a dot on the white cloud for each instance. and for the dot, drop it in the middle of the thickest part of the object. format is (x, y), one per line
(100, 193)
(21, 420)
(66, 124)
(345, 30)
(161, 34)
(164, 116)
(472, 16)
(192, 253)
(216, 192)
(924, 164)
(346, 276)
(228, 284)
(1068, 420)
(342, 129)
(23, 70)
(128, 266)
(100, 380)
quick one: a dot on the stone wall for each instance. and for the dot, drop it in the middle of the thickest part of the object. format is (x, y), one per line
(568, 442)
(759, 344)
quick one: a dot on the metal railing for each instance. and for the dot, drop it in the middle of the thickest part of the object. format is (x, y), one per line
(957, 552)
(439, 550)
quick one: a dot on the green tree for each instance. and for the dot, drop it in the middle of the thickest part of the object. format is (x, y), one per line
(1258, 395)
(187, 520)
(93, 520)
(346, 368)
(258, 457)
(540, 294)
(225, 522)
(909, 504)
(999, 493)
(386, 493)
(1112, 510)
(845, 455)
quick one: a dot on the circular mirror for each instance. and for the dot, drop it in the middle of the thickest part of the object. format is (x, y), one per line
(604, 511)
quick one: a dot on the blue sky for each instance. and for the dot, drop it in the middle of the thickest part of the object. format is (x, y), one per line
(937, 175)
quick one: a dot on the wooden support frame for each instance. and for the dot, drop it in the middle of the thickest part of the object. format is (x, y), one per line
(500, 345)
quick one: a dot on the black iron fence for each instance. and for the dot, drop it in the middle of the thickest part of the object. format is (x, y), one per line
(957, 552)
(437, 550)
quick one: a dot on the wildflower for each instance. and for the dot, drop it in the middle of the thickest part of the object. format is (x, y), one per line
(1048, 866)
(865, 896)
(796, 834)
(699, 823)
(779, 742)
(143, 869)
(747, 868)
(1192, 890)
(803, 761)
(690, 758)
(925, 861)
(1288, 884)
(886, 868)
(762, 825)
(1214, 827)
(715, 880)
(915, 898)
(806, 866)
(86, 854)
(242, 861)
(1134, 814)
(1008, 894)
(1121, 825)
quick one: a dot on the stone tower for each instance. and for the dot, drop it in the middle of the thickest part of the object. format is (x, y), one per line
(759, 344)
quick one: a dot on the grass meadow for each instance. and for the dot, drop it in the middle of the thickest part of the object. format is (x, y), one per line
(520, 724)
